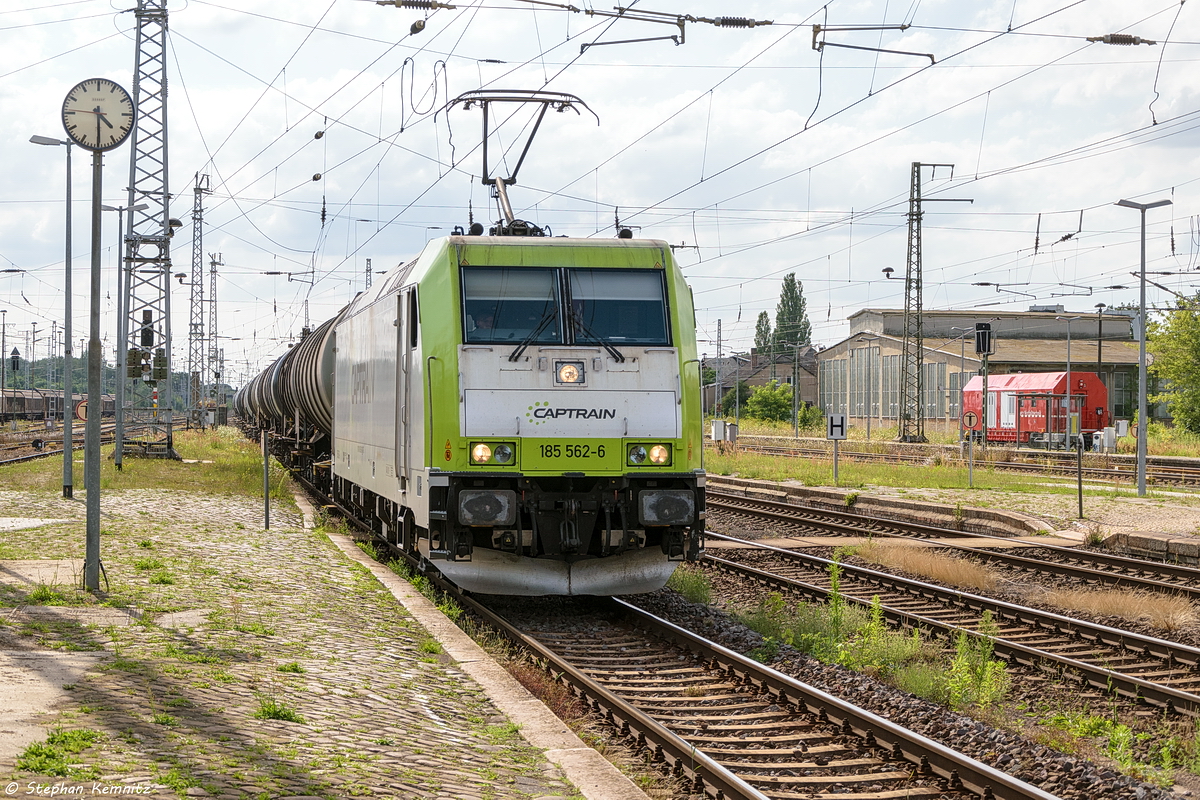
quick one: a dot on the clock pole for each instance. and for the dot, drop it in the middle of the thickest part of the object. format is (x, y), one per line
(91, 465)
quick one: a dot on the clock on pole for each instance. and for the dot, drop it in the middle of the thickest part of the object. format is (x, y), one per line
(98, 114)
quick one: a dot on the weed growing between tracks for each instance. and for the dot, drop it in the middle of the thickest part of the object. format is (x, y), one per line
(691, 582)
(921, 559)
(844, 633)
(1160, 609)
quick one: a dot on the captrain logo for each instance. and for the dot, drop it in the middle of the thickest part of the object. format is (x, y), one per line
(541, 412)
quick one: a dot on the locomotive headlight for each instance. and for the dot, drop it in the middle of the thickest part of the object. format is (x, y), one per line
(493, 453)
(637, 454)
(568, 371)
(660, 454)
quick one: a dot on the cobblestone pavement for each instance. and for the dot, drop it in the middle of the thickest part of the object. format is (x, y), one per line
(256, 663)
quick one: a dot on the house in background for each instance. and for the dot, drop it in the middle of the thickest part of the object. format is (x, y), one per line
(860, 375)
(758, 369)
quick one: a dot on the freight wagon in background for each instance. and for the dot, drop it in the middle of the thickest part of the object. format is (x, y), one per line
(1030, 409)
(33, 404)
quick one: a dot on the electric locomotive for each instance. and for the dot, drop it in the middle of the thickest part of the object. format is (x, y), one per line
(520, 412)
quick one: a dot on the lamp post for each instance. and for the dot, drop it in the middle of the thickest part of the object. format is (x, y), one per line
(737, 389)
(3, 362)
(122, 343)
(1143, 423)
(1068, 320)
(870, 381)
(1100, 350)
(68, 394)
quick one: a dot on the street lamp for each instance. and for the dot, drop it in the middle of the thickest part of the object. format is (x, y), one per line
(870, 381)
(68, 394)
(1069, 320)
(1100, 351)
(3, 361)
(1143, 423)
(737, 388)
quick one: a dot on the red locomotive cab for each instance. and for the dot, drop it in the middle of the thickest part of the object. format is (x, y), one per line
(1038, 409)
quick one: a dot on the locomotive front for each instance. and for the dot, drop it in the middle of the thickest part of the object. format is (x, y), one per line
(572, 465)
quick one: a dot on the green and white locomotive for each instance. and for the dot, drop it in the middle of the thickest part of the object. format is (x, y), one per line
(521, 412)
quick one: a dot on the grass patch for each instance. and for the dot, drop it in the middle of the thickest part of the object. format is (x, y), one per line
(858, 638)
(928, 562)
(430, 645)
(271, 708)
(1166, 611)
(52, 757)
(292, 667)
(691, 581)
(148, 563)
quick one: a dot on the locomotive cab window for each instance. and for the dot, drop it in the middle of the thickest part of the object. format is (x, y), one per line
(510, 305)
(618, 306)
(526, 305)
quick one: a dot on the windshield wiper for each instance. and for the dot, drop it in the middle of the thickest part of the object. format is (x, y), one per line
(528, 340)
(577, 321)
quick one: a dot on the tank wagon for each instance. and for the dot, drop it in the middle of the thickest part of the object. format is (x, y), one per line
(1030, 408)
(520, 412)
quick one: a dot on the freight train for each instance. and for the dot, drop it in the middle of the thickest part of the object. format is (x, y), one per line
(1030, 408)
(32, 404)
(520, 412)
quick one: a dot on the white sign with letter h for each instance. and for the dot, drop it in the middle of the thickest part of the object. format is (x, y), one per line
(835, 426)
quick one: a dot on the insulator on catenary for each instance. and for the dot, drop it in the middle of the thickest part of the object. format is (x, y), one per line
(1123, 39)
(738, 22)
(426, 5)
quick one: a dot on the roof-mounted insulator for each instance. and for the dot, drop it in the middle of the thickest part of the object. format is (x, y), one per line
(1123, 39)
(425, 5)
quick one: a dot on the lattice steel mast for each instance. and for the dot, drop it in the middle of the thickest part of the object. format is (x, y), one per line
(197, 373)
(912, 359)
(144, 418)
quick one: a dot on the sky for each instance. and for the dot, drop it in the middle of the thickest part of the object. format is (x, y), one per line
(749, 150)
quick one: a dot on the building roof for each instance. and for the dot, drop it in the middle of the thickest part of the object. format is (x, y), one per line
(1054, 351)
(1024, 382)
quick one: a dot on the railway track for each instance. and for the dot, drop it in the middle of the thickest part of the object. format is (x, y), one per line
(730, 726)
(1162, 673)
(46, 448)
(1084, 567)
(1163, 472)
(735, 728)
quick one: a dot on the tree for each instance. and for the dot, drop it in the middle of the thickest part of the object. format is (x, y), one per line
(764, 340)
(791, 316)
(1175, 344)
(732, 399)
(771, 402)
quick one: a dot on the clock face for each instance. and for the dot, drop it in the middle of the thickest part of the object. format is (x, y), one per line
(98, 114)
